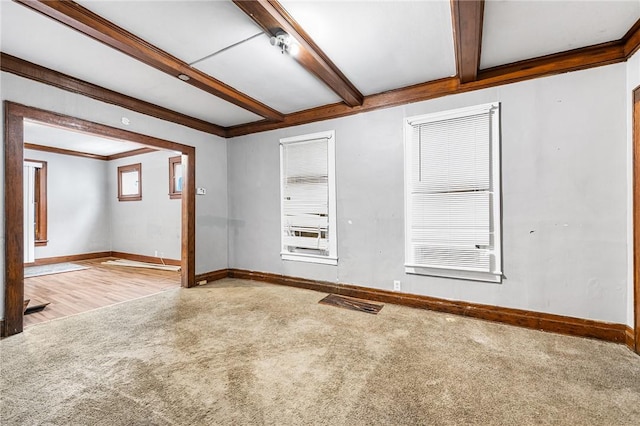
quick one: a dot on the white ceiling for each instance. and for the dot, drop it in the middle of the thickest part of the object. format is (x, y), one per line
(42, 134)
(518, 30)
(379, 45)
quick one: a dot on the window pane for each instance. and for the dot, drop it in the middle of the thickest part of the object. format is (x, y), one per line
(130, 183)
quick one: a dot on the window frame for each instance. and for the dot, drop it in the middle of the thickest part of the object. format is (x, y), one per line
(332, 257)
(173, 193)
(126, 169)
(40, 198)
(494, 109)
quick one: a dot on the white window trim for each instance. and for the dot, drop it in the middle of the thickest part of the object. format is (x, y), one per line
(494, 109)
(332, 258)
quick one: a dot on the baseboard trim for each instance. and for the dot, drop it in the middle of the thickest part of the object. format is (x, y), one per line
(98, 255)
(3, 332)
(212, 276)
(630, 339)
(522, 318)
(143, 258)
(69, 258)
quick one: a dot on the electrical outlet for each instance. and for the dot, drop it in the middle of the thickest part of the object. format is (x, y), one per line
(396, 285)
(202, 282)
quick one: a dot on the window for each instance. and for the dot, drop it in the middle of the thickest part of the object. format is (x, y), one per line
(308, 198)
(175, 177)
(452, 194)
(130, 182)
(40, 200)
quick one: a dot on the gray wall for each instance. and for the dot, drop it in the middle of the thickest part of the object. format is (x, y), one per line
(211, 160)
(153, 223)
(77, 209)
(564, 198)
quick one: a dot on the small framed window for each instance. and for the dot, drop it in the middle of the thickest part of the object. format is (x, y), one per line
(308, 198)
(130, 182)
(175, 177)
(452, 194)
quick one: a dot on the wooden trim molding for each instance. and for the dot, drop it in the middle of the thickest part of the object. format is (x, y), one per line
(636, 215)
(63, 151)
(129, 168)
(467, 17)
(14, 115)
(26, 69)
(632, 40)
(528, 319)
(131, 153)
(630, 339)
(88, 23)
(212, 276)
(272, 17)
(40, 199)
(174, 194)
(69, 258)
(143, 258)
(573, 60)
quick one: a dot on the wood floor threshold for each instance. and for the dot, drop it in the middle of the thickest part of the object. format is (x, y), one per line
(571, 326)
(352, 304)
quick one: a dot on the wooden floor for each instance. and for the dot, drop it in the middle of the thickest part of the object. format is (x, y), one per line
(101, 285)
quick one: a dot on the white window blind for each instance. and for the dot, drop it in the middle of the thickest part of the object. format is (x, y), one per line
(308, 232)
(452, 195)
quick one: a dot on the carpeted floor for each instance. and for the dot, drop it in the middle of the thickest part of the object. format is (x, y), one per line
(242, 352)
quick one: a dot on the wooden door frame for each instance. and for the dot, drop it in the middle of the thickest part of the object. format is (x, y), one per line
(14, 116)
(636, 216)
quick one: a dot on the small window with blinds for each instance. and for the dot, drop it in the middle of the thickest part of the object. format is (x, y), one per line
(452, 194)
(308, 201)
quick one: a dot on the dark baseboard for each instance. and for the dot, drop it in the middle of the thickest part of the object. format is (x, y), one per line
(87, 256)
(143, 258)
(529, 319)
(69, 258)
(3, 332)
(212, 276)
(630, 339)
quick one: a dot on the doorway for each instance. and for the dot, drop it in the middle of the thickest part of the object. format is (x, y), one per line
(636, 218)
(15, 114)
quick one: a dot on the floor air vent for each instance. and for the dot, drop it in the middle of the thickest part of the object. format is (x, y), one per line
(351, 303)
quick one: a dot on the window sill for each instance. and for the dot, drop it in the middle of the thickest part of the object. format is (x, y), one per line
(310, 258)
(491, 277)
(175, 196)
(41, 243)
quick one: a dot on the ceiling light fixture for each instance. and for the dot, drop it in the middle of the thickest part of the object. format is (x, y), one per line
(184, 77)
(285, 43)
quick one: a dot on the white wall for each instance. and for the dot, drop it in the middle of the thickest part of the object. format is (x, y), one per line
(153, 223)
(77, 209)
(633, 81)
(211, 164)
(564, 198)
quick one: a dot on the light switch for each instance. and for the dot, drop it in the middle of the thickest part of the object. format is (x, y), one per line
(201, 191)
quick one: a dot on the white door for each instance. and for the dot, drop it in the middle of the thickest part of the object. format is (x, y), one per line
(30, 211)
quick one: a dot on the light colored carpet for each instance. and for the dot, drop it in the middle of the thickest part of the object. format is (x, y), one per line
(241, 352)
(56, 268)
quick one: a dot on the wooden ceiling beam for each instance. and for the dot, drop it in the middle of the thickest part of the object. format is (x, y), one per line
(467, 17)
(83, 20)
(574, 60)
(38, 73)
(418, 92)
(272, 17)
